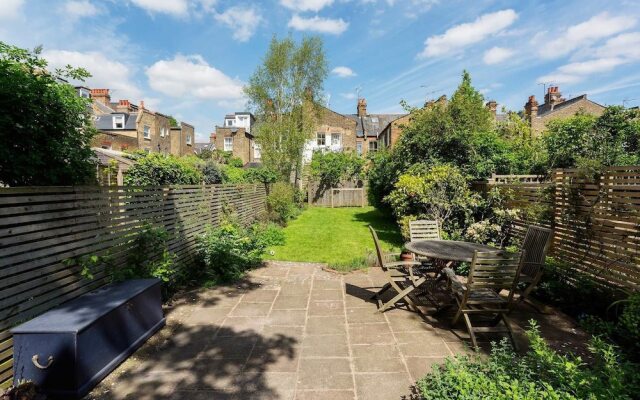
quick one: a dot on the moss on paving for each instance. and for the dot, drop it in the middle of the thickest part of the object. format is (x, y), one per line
(337, 236)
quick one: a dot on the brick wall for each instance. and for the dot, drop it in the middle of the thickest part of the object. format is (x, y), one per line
(538, 124)
(332, 122)
(117, 140)
(147, 118)
(241, 142)
(187, 132)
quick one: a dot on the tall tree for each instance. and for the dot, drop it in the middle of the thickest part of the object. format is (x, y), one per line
(285, 93)
(46, 127)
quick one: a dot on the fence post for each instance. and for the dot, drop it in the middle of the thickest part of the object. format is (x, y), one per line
(332, 197)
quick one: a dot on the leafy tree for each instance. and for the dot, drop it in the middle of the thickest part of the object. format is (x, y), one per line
(611, 139)
(46, 127)
(285, 93)
(332, 167)
(160, 169)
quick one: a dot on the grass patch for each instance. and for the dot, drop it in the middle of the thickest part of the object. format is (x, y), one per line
(337, 236)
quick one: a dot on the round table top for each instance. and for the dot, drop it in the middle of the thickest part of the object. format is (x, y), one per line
(451, 250)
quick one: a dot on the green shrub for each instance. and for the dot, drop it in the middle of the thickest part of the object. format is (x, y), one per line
(233, 174)
(541, 373)
(225, 252)
(212, 172)
(440, 192)
(235, 162)
(281, 203)
(160, 169)
(331, 168)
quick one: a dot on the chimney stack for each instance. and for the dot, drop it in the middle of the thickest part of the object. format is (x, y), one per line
(553, 97)
(492, 106)
(362, 108)
(531, 108)
(141, 105)
(102, 96)
(123, 106)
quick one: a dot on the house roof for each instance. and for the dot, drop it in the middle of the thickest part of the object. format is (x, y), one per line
(106, 155)
(105, 122)
(103, 108)
(372, 125)
(546, 108)
(198, 147)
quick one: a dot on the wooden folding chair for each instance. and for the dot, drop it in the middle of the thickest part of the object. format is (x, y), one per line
(424, 229)
(400, 275)
(535, 245)
(490, 272)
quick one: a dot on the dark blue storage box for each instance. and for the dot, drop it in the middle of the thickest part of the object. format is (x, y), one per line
(69, 349)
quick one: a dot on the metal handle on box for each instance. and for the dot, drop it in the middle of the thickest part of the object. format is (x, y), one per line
(36, 362)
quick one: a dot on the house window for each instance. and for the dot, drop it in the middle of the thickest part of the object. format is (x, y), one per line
(118, 122)
(256, 151)
(321, 139)
(335, 139)
(162, 132)
(228, 144)
(189, 139)
(359, 148)
(147, 132)
(373, 146)
(230, 122)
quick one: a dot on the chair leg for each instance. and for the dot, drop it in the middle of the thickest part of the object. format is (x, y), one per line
(457, 316)
(507, 324)
(467, 322)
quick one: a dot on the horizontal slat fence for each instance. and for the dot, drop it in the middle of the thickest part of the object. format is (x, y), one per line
(42, 227)
(347, 194)
(596, 219)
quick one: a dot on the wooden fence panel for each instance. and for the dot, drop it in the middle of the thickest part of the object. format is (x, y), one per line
(596, 219)
(42, 227)
(347, 194)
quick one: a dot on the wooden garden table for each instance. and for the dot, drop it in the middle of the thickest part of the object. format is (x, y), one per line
(448, 250)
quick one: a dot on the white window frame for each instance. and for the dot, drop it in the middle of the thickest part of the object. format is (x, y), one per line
(338, 142)
(228, 144)
(359, 148)
(118, 119)
(162, 132)
(189, 139)
(373, 145)
(231, 122)
(146, 132)
(321, 136)
(256, 151)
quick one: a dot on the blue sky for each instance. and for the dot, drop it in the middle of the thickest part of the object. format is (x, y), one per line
(190, 58)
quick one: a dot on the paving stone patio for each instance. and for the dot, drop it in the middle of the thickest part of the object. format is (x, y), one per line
(287, 331)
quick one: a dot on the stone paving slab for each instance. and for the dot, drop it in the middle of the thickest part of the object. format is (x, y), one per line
(287, 331)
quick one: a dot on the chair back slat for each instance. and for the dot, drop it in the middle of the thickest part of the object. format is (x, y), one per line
(377, 244)
(424, 230)
(495, 270)
(535, 245)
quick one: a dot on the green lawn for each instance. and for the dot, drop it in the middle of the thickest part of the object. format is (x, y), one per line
(337, 236)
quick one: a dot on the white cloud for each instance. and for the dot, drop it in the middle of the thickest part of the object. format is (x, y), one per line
(172, 7)
(559, 79)
(626, 45)
(106, 73)
(243, 20)
(343, 72)
(81, 9)
(496, 55)
(10, 8)
(592, 66)
(192, 76)
(317, 24)
(463, 35)
(348, 96)
(597, 27)
(306, 5)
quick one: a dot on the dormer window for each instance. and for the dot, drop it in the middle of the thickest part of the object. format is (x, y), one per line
(118, 121)
(230, 122)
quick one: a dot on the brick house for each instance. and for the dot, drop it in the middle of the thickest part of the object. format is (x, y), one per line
(124, 126)
(556, 107)
(360, 132)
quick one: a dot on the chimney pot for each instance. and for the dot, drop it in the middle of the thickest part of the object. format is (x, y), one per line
(102, 96)
(362, 107)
